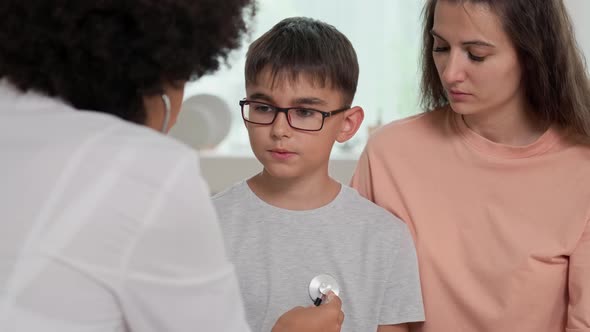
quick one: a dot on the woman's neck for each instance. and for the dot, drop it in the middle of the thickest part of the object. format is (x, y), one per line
(512, 125)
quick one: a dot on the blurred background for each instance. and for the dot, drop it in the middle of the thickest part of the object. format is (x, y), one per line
(386, 35)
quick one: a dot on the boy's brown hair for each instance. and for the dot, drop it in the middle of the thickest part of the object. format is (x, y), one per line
(301, 45)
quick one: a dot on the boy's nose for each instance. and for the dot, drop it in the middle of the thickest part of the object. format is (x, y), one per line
(280, 127)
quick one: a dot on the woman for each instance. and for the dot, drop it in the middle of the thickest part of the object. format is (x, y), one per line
(107, 224)
(494, 182)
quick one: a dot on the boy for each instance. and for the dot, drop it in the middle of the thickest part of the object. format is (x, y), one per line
(293, 222)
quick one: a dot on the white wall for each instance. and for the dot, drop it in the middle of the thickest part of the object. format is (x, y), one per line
(580, 11)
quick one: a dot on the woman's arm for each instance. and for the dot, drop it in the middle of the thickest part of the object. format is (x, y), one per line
(579, 285)
(393, 328)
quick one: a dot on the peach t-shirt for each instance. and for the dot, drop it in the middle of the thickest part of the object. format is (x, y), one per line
(501, 232)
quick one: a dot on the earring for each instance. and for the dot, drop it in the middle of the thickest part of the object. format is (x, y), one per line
(167, 111)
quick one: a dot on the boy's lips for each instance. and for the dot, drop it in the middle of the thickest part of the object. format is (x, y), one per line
(281, 154)
(280, 151)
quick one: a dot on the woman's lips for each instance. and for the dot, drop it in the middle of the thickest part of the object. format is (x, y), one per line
(458, 96)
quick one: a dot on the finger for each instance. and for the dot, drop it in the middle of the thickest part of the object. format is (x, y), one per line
(333, 298)
(341, 317)
(296, 308)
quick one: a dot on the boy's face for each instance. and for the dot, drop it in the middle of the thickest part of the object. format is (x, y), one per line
(286, 152)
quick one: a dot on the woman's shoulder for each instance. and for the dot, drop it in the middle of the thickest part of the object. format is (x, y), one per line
(113, 133)
(574, 147)
(105, 141)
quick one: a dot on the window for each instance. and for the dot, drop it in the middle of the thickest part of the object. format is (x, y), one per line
(386, 36)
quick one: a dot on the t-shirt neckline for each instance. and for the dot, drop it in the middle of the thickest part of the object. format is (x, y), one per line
(482, 144)
(260, 202)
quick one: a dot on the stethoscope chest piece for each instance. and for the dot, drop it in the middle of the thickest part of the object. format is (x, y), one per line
(321, 285)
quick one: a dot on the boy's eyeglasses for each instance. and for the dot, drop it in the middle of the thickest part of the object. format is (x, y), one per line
(299, 118)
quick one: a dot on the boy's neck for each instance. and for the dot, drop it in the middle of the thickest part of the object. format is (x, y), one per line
(304, 193)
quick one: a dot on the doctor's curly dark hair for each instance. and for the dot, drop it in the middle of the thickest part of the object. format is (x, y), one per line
(104, 55)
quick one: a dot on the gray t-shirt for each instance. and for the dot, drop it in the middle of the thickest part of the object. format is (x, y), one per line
(277, 252)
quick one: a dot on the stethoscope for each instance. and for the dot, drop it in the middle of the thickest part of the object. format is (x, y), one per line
(167, 110)
(320, 286)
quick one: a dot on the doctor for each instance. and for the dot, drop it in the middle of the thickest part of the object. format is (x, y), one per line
(106, 223)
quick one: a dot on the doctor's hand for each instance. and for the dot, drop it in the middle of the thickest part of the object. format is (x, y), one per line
(328, 317)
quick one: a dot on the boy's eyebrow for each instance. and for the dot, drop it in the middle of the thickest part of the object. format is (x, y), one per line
(470, 42)
(261, 96)
(295, 102)
(309, 101)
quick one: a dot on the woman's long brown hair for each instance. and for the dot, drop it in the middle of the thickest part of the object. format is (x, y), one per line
(555, 79)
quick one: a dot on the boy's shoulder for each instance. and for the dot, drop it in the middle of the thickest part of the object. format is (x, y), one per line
(235, 191)
(370, 214)
(233, 201)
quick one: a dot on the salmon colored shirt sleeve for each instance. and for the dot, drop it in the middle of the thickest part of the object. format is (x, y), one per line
(501, 232)
(579, 288)
(362, 179)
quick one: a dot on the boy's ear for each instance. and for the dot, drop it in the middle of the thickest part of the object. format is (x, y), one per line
(353, 118)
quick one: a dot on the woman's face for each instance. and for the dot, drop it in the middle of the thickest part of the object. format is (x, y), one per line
(156, 110)
(475, 59)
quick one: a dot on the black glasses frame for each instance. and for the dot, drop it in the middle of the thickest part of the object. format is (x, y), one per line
(285, 110)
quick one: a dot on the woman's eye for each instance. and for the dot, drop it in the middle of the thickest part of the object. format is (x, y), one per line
(475, 57)
(440, 48)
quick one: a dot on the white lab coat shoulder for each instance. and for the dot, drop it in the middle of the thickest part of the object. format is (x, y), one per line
(116, 202)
